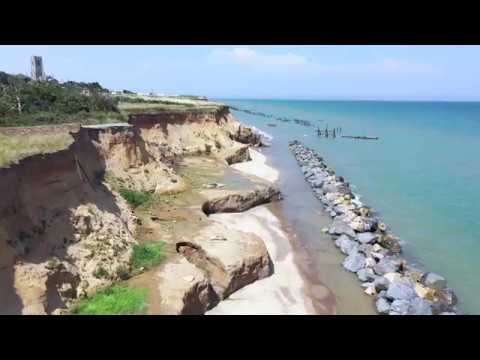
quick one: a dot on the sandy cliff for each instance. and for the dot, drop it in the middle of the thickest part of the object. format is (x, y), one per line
(65, 231)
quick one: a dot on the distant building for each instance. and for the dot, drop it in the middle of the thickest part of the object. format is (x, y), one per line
(38, 73)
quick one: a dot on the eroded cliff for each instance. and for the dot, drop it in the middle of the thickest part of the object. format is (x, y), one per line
(64, 229)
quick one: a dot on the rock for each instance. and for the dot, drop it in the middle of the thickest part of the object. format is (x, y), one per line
(447, 296)
(424, 292)
(246, 135)
(390, 242)
(387, 265)
(382, 294)
(365, 249)
(370, 290)
(366, 275)
(354, 262)
(181, 295)
(377, 248)
(242, 200)
(381, 283)
(333, 213)
(346, 245)
(213, 185)
(370, 262)
(339, 227)
(420, 306)
(317, 183)
(363, 224)
(324, 230)
(383, 306)
(401, 290)
(434, 281)
(236, 154)
(392, 276)
(366, 238)
(382, 227)
(232, 264)
(377, 256)
(399, 307)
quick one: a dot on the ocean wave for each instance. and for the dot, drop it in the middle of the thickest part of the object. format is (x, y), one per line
(262, 133)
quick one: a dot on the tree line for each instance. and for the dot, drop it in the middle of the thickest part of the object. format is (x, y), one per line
(21, 99)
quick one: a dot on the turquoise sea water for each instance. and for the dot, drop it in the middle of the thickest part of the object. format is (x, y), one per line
(422, 176)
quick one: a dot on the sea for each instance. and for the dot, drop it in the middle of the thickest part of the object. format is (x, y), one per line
(421, 176)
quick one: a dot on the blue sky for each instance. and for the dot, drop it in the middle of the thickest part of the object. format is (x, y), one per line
(287, 72)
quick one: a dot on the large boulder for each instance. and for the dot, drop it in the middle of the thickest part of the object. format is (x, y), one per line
(399, 307)
(339, 227)
(354, 262)
(434, 281)
(383, 306)
(365, 275)
(363, 224)
(387, 265)
(241, 200)
(366, 238)
(402, 289)
(390, 242)
(346, 245)
(236, 154)
(420, 306)
(381, 283)
(185, 289)
(232, 259)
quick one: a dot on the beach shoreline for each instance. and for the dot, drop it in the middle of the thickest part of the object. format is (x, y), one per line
(291, 289)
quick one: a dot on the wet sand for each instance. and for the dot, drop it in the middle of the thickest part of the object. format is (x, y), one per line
(304, 217)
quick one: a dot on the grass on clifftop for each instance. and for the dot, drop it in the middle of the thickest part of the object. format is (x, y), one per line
(114, 300)
(14, 148)
(147, 255)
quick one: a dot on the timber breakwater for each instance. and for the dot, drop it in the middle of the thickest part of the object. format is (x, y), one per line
(373, 252)
(297, 121)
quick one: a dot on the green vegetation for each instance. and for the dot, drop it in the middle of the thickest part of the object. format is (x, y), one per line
(147, 255)
(165, 106)
(136, 198)
(114, 300)
(16, 147)
(25, 102)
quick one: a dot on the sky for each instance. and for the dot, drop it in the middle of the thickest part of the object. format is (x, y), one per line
(330, 72)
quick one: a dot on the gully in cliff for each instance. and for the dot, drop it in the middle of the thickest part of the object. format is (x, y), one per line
(373, 252)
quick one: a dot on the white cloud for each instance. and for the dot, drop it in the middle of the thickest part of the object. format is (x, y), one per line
(403, 66)
(248, 56)
(388, 66)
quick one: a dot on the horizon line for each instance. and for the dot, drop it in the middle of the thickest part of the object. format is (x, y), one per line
(336, 99)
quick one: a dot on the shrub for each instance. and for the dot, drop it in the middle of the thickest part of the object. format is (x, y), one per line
(135, 198)
(114, 300)
(147, 255)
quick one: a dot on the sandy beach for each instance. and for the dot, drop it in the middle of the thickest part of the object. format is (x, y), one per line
(286, 291)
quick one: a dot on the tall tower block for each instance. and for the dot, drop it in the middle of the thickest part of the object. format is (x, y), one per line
(37, 68)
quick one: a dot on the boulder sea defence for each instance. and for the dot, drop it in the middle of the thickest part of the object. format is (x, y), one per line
(372, 251)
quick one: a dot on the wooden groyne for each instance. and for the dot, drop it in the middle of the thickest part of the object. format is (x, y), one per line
(360, 137)
(297, 121)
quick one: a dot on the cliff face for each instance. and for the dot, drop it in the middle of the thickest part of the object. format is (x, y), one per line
(64, 230)
(189, 134)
